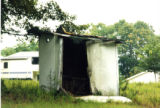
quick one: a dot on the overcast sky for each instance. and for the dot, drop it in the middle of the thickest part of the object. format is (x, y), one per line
(111, 11)
(108, 12)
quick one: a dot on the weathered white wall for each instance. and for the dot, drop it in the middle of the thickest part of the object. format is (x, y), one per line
(50, 54)
(145, 78)
(103, 68)
(17, 69)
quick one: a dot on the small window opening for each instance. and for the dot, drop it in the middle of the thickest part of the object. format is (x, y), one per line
(5, 65)
(35, 60)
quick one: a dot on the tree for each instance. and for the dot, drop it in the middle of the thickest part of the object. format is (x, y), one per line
(21, 46)
(150, 56)
(22, 14)
(18, 15)
(8, 51)
(102, 30)
(134, 37)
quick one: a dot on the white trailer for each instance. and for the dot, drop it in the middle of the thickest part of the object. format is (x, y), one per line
(22, 65)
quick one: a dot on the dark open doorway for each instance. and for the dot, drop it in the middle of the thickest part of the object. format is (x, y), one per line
(75, 77)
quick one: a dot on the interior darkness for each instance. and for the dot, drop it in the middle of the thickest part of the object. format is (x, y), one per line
(75, 78)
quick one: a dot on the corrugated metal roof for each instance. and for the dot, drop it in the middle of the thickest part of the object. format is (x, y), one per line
(72, 36)
(86, 37)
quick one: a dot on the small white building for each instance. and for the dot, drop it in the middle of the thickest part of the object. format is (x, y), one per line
(22, 65)
(144, 77)
(79, 64)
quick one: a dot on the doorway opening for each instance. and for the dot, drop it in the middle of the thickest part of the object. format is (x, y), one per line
(75, 78)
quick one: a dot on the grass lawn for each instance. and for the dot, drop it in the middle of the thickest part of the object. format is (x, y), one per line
(63, 104)
(27, 94)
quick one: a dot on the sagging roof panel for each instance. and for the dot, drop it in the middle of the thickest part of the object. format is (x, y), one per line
(85, 37)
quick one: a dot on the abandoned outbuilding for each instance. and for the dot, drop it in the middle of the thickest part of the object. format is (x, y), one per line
(80, 64)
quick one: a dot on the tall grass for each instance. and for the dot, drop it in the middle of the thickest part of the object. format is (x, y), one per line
(69, 105)
(26, 90)
(27, 94)
(143, 94)
(16, 92)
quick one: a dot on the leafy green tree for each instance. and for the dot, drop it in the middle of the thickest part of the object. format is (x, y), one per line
(8, 51)
(150, 56)
(18, 15)
(21, 46)
(102, 30)
(134, 37)
(22, 14)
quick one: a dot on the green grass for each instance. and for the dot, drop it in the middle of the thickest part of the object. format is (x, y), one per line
(67, 105)
(144, 94)
(27, 94)
(25, 90)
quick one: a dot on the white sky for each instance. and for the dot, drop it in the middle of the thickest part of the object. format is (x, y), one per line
(111, 11)
(108, 12)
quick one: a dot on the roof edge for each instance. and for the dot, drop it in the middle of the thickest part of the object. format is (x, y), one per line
(85, 37)
(136, 75)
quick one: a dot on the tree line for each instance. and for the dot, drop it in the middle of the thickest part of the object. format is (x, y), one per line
(140, 48)
(139, 51)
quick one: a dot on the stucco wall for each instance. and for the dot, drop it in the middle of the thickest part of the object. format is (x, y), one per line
(103, 68)
(50, 54)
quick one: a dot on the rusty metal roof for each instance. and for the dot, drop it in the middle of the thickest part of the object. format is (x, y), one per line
(86, 37)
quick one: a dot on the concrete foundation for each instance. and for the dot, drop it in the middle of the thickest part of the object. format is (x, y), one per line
(105, 99)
